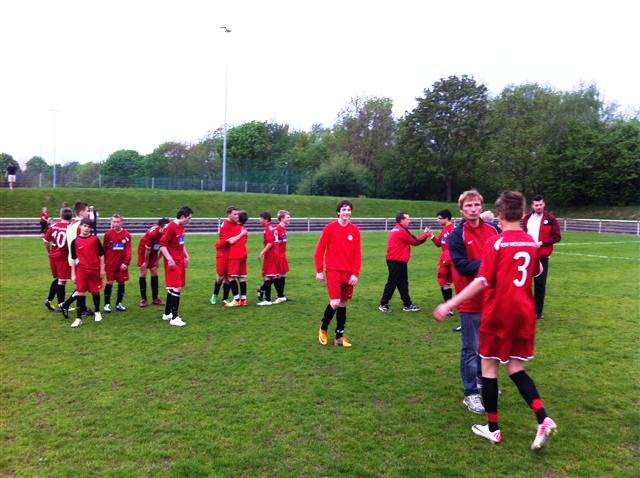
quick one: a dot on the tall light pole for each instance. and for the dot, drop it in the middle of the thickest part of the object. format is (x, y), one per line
(55, 135)
(224, 128)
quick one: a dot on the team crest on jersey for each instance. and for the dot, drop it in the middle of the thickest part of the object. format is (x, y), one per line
(181, 240)
(350, 237)
(118, 247)
(156, 246)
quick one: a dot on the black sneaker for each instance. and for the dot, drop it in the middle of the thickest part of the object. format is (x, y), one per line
(49, 307)
(63, 311)
(384, 308)
(411, 308)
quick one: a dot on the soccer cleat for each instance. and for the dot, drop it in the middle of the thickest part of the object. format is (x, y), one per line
(144, 303)
(547, 428)
(213, 300)
(263, 303)
(473, 403)
(107, 308)
(342, 342)
(233, 303)
(411, 308)
(323, 337)
(484, 432)
(157, 302)
(63, 311)
(49, 307)
(167, 317)
(457, 329)
(120, 307)
(539, 317)
(384, 308)
(98, 317)
(178, 322)
(76, 323)
(244, 302)
(260, 295)
(280, 300)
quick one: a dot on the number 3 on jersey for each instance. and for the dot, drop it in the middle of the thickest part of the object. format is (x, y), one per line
(519, 282)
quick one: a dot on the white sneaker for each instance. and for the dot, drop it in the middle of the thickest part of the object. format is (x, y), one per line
(473, 403)
(280, 300)
(547, 428)
(264, 302)
(107, 308)
(98, 317)
(167, 317)
(484, 432)
(76, 323)
(178, 322)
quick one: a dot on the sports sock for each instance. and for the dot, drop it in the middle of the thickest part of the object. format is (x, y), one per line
(529, 392)
(216, 288)
(225, 290)
(175, 303)
(107, 294)
(243, 289)
(142, 282)
(266, 287)
(154, 287)
(284, 283)
(279, 285)
(67, 303)
(234, 288)
(82, 306)
(447, 293)
(96, 302)
(329, 312)
(341, 321)
(60, 292)
(52, 290)
(489, 393)
(120, 293)
(168, 303)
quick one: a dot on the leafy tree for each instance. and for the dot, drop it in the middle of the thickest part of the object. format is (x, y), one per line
(124, 163)
(37, 165)
(448, 127)
(341, 176)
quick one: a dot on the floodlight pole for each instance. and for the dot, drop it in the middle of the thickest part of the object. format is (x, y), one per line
(55, 134)
(224, 128)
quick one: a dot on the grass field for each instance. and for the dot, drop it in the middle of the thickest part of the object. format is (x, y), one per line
(250, 392)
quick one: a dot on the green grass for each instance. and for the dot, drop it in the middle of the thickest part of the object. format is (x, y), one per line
(26, 202)
(250, 392)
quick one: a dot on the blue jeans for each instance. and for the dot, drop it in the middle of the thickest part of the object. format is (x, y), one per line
(469, 359)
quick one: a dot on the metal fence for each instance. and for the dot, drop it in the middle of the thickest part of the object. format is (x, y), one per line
(30, 227)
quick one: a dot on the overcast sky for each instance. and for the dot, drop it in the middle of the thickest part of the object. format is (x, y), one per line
(132, 74)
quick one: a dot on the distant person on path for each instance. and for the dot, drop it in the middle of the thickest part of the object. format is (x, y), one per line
(545, 230)
(117, 257)
(222, 256)
(508, 325)
(465, 246)
(444, 274)
(44, 220)
(149, 261)
(176, 260)
(12, 169)
(338, 259)
(399, 244)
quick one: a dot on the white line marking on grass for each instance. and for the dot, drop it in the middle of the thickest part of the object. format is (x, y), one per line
(597, 257)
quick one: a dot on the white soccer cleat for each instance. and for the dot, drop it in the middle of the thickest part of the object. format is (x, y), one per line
(547, 428)
(107, 308)
(76, 323)
(178, 322)
(280, 300)
(98, 317)
(484, 432)
(264, 302)
(167, 317)
(120, 307)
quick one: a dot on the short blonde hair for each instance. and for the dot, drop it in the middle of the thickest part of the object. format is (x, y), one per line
(282, 213)
(471, 193)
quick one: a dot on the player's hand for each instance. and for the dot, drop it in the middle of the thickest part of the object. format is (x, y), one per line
(73, 277)
(171, 263)
(102, 274)
(143, 268)
(187, 260)
(123, 267)
(353, 280)
(440, 312)
(428, 231)
(259, 257)
(320, 276)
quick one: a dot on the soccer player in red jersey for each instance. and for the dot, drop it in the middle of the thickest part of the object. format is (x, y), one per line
(176, 260)
(270, 257)
(149, 260)
(338, 259)
(81, 210)
(284, 217)
(44, 220)
(117, 257)
(237, 261)
(399, 244)
(508, 324)
(222, 256)
(87, 269)
(55, 243)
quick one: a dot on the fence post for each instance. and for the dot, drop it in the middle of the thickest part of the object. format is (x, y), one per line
(245, 186)
(287, 188)
(202, 185)
(153, 182)
(99, 181)
(565, 225)
(600, 227)
(308, 224)
(40, 180)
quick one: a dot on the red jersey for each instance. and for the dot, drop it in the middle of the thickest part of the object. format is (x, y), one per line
(442, 239)
(151, 238)
(44, 217)
(87, 251)
(226, 231)
(509, 263)
(340, 248)
(271, 237)
(117, 249)
(173, 240)
(399, 243)
(56, 235)
(238, 250)
(281, 236)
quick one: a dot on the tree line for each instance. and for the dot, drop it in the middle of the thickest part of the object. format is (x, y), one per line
(569, 146)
